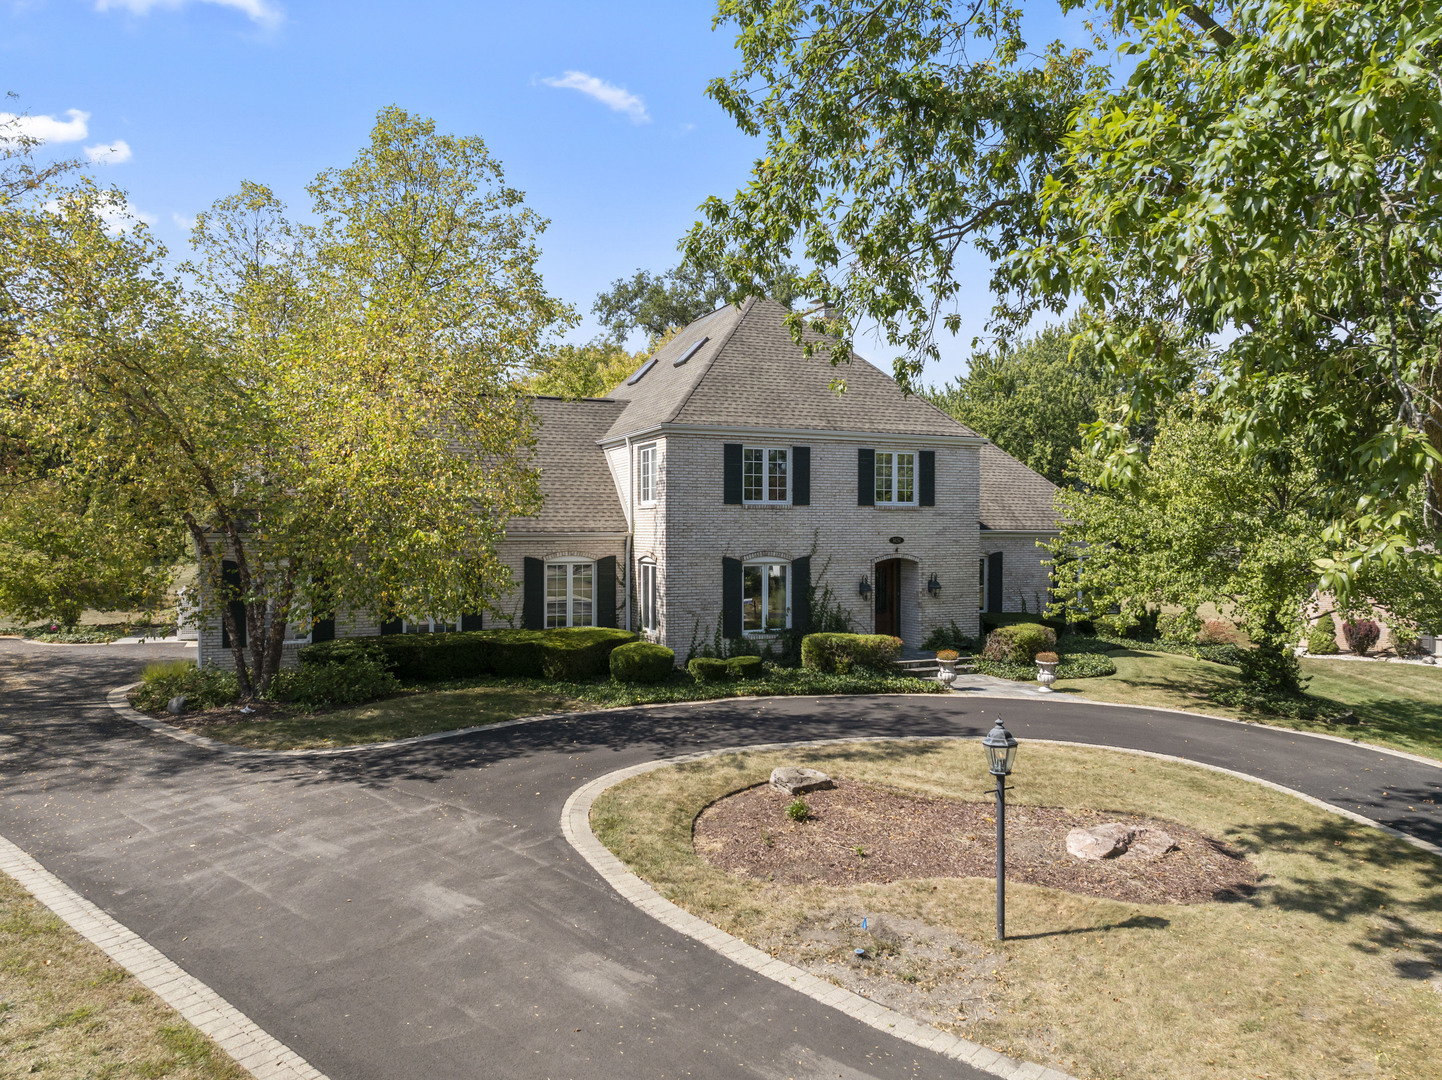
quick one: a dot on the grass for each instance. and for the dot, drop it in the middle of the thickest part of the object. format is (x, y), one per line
(474, 702)
(1333, 968)
(69, 1011)
(1399, 705)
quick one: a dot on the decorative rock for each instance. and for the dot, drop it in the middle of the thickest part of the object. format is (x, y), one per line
(1151, 844)
(793, 781)
(1099, 842)
(176, 705)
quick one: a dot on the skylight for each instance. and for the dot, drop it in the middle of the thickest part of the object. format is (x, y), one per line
(647, 366)
(691, 351)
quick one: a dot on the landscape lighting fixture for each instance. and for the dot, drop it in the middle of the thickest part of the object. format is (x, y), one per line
(1000, 751)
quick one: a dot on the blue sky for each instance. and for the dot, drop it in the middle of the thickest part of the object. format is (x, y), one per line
(597, 110)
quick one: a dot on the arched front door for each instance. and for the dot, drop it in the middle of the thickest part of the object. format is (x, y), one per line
(888, 597)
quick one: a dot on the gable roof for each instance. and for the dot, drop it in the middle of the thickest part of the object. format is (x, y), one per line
(750, 374)
(1014, 497)
(579, 494)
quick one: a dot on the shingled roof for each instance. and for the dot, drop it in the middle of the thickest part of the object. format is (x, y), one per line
(580, 495)
(750, 374)
(1013, 497)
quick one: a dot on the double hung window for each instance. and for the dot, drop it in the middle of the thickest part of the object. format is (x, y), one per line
(646, 475)
(895, 478)
(982, 605)
(765, 474)
(765, 597)
(570, 593)
(430, 624)
(646, 593)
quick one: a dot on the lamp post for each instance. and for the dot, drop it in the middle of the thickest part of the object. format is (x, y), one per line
(1000, 752)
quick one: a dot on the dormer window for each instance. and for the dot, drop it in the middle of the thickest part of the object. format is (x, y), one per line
(765, 474)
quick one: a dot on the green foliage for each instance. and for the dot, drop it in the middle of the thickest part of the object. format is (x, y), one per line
(798, 810)
(572, 653)
(1178, 626)
(346, 679)
(657, 303)
(580, 371)
(990, 620)
(832, 652)
(1032, 400)
(642, 662)
(744, 667)
(1322, 638)
(708, 669)
(1072, 666)
(949, 637)
(1019, 643)
(204, 688)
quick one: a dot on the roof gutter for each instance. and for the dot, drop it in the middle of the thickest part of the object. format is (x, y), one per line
(810, 434)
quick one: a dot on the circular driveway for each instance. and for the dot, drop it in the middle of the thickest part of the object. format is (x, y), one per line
(416, 913)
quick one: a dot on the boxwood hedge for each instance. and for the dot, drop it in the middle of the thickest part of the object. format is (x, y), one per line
(574, 654)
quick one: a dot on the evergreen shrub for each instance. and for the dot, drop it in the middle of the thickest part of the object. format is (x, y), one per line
(709, 669)
(1322, 638)
(839, 653)
(1018, 644)
(642, 662)
(572, 654)
(744, 667)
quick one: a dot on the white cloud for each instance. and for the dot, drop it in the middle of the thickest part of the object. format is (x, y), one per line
(46, 128)
(260, 11)
(111, 153)
(185, 224)
(616, 98)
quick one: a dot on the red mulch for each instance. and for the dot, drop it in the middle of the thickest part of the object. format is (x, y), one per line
(909, 836)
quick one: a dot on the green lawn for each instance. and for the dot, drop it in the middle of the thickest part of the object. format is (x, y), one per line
(1399, 705)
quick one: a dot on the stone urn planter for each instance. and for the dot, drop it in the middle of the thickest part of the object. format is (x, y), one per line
(946, 666)
(1046, 663)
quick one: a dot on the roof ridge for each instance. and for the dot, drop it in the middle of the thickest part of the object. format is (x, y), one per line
(746, 308)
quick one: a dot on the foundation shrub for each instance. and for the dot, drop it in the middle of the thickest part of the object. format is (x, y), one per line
(1018, 644)
(1322, 638)
(839, 653)
(949, 637)
(1360, 635)
(642, 662)
(578, 653)
(204, 688)
(744, 667)
(356, 677)
(709, 669)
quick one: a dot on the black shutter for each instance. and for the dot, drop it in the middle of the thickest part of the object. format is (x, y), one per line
(391, 626)
(322, 630)
(472, 622)
(533, 595)
(230, 586)
(926, 478)
(993, 582)
(866, 478)
(801, 476)
(801, 595)
(730, 598)
(731, 482)
(606, 592)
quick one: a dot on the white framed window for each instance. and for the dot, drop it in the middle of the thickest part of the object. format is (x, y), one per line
(646, 593)
(646, 475)
(765, 596)
(430, 624)
(895, 478)
(765, 474)
(982, 605)
(570, 593)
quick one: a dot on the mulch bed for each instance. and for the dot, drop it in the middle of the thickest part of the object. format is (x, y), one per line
(908, 836)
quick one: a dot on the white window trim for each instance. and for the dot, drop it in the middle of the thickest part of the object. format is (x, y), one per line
(569, 562)
(652, 451)
(915, 478)
(647, 568)
(429, 621)
(765, 499)
(765, 578)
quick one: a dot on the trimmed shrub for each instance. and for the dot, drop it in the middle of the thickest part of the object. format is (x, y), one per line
(1072, 666)
(573, 654)
(353, 680)
(995, 620)
(1178, 626)
(1360, 634)
(744, 667)
(1322, 638)
(1217, 632)
(708, 669)
(204, 688)
(1018, 644)
(642, 662)
(839, 653)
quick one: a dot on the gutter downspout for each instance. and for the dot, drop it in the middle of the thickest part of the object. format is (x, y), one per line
(630, 521)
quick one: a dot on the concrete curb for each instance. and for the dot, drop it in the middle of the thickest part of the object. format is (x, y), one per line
(260, 1054)
(576, 826)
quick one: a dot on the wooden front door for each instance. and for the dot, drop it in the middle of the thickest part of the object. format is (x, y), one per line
(888, 597)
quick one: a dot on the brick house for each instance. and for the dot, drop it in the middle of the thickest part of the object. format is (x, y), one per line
(727, 477)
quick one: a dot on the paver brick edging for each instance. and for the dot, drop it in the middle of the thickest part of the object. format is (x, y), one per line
(256, 1051)
(576, 826)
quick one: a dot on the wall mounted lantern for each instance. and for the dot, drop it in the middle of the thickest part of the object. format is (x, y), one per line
(933, 587)
(864, 588)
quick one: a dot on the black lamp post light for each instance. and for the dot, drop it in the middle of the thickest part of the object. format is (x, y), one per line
(1000, 753)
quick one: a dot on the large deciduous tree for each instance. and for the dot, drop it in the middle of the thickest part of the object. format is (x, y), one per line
(333, 412)
(656, 303)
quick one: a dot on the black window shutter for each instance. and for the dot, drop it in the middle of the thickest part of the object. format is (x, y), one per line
(866, 478)
(322, 630)
(472, 622)
(391, 626)
(926, 478)
(730, 598)
(993, 582)
(606, 592)
(801, 595)
(731, 482)
(801, 476)
(230, 583)
(533, 595)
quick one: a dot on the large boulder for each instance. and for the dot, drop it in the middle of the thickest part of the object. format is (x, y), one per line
(791, 780)
(1150, 844)
(1100, 841)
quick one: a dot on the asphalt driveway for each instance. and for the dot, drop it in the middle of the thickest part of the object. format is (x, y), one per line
(417, 914)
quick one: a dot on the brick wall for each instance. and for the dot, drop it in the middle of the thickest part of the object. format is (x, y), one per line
(1025, 582)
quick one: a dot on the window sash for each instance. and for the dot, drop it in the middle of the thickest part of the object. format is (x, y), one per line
(428, 624)
(646, 474)
(895, 477)
(764, 597)
(647, 589)
(570, 594)
(765, 474)
(982, 605)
